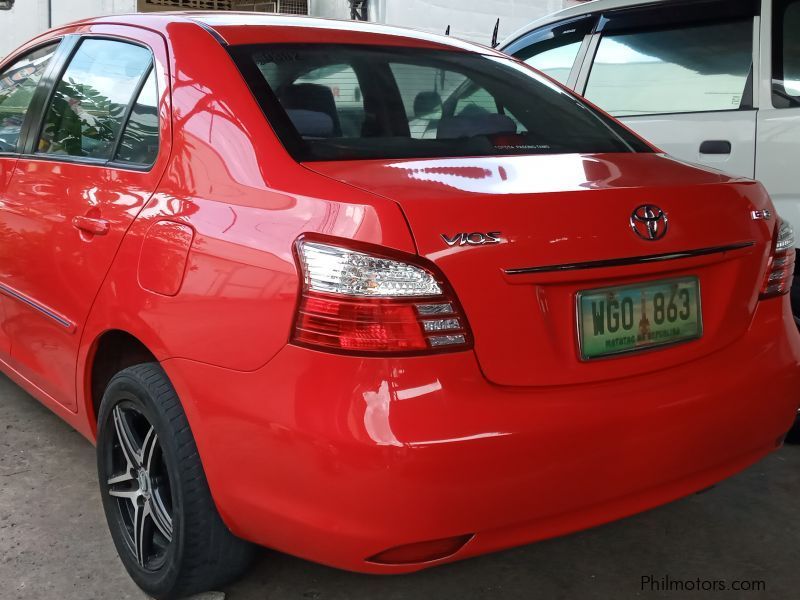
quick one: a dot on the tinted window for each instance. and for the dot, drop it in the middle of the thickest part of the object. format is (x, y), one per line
(786, 34)
(421, 103)
(139, 143)
(86, 112)
(691, 69)
(343, 83)
(17, 85)
(477, 101)
(422, 89)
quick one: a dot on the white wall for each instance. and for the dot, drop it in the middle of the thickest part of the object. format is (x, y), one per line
(331, 9)
(21, 23)
(472, 20)
(30, 17)
(65, 11)
(468, 19)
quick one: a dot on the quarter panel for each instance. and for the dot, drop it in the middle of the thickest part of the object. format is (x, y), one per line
(247, 201)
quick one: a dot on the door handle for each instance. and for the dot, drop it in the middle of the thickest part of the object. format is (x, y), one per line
(716, 147)
(93, 225)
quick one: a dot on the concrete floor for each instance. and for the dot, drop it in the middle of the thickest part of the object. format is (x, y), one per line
(54, 543)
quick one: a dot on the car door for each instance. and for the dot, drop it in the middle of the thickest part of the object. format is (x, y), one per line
(681, 75)
(779, 116)
(18, 82)
(88, 168)
(558, 49)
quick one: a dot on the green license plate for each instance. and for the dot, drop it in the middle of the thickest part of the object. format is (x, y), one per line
(638, 317)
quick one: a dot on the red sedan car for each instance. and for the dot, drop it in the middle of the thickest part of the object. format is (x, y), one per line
(375, 298)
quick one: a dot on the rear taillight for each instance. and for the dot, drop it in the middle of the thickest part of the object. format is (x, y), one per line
(360, 302)
(780, 270)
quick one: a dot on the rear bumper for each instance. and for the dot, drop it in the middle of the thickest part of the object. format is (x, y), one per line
(336, 458)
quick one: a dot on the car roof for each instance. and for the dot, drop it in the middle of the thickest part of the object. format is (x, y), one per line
(586, 8)
(232, 27)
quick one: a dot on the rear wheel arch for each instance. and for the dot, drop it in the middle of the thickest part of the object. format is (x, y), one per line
(113, 351)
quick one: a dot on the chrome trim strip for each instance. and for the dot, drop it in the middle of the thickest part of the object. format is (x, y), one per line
(38, 307)
(631, 260)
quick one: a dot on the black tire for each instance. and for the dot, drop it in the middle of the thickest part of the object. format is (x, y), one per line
(794, 433)
(794, 291)
(794, 295)
(155, 483)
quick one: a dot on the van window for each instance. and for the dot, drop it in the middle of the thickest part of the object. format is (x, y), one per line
(90, 102)
(553, 50)
(787, 54)
(556, 62)
(17, 85)
(697, 68)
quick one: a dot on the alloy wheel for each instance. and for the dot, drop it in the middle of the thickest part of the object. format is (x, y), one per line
(139, 482)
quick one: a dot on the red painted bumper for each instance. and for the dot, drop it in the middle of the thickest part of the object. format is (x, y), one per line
(337, 458)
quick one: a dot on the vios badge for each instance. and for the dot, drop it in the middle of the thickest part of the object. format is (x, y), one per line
(649, 222)
(473, 239)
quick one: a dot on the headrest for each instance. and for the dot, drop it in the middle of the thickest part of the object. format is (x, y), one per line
(426, 103)
(310, 123)
(312, 97)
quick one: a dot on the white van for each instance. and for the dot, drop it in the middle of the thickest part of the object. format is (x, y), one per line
(715, 82)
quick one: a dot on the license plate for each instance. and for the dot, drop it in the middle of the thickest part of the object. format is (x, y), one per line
(638, 317)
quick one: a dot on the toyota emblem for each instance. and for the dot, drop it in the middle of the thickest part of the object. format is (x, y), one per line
(649, 222)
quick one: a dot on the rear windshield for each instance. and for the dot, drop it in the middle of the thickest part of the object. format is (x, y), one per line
(335, 102)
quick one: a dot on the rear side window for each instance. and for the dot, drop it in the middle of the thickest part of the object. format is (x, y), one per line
(139, 143)
(418, 103)
(698, 68)
(17, 85)
(88, 108)
(786, 67)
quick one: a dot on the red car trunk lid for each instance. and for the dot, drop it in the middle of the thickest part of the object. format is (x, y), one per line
(558, 210)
